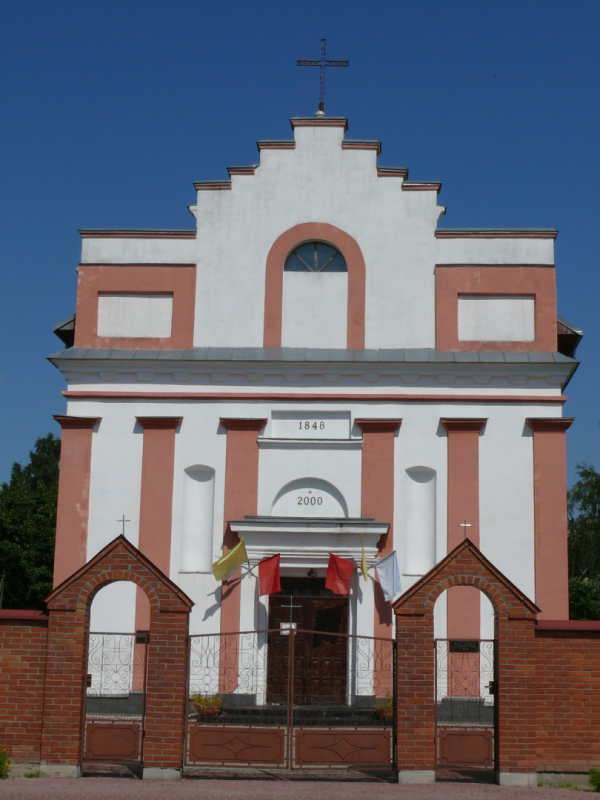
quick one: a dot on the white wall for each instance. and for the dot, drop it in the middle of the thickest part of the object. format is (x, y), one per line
(141, 315)
(484, 318)
(516, 251)
(506, 476)
(316, 182)
(315, 309)
(138, 251)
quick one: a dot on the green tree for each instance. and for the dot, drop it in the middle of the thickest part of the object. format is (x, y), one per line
(584, 544)
(27, 526)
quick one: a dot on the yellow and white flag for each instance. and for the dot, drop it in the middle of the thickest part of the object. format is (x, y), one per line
(228, 563)
(363, 560)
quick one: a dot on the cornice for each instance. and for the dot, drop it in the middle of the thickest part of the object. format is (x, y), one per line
(76, 423)
(379, 425)
(134, 233)
(550, 424)
(496, 233)
(463, 425)
(243, 424)
(159, 423)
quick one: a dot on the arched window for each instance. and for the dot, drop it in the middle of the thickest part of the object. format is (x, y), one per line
(315, 257)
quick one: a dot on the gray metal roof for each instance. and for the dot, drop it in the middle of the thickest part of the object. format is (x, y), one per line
(422, 355)
(569, 325)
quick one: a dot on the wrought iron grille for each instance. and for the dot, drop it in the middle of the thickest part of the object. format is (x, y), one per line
(291, 677)
(464, 686)
(116, 675)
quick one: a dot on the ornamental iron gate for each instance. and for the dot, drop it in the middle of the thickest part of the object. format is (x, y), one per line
(291, 698)
(115, 697)
(465, 707)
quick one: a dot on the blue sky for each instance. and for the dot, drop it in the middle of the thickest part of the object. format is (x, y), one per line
(110, 110)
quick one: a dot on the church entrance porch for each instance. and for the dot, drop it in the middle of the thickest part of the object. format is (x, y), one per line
(292, 698)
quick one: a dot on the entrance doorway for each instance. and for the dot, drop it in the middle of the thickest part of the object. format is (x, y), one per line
(320, 656)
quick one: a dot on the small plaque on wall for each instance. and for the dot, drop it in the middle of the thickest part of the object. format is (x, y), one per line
(310, 425)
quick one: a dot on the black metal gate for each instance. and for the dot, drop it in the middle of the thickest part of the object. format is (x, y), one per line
(115, 698)
(291, 699)
(465, 703)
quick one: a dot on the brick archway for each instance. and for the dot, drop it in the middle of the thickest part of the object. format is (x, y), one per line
(68, 629)
(349, 247)
(515, 617)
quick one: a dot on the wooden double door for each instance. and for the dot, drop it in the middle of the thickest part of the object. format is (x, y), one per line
(316, 647)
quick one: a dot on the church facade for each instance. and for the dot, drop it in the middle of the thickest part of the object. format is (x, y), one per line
(317, 367)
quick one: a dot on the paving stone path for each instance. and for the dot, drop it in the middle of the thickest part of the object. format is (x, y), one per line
(131, 789)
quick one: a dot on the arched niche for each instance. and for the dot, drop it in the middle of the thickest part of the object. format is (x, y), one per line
(309, 497)
(197, 521)
(420, 505)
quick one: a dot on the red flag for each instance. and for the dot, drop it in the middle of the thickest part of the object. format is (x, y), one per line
(339, 575)
(268, 575)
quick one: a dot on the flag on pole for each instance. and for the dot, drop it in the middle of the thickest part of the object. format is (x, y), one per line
(339, 575)
(388, 573)
(268, 575)
(227, 564)
(363, 560)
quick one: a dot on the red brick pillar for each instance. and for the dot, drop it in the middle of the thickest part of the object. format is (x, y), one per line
(377, 499)
(156, 503)
(73, 495)
(463, 504)
(550, 493)
(241, 498)
(166, 692)
(415, 682)
(516, 698)
(66, 670)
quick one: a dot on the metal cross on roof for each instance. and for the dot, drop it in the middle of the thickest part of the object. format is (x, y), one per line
(123, 521)
(464, 525)
(322, 63)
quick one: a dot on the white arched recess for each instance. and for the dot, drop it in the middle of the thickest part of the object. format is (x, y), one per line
(309, 497)
(113, 608)
(419, 540)
(198, 512)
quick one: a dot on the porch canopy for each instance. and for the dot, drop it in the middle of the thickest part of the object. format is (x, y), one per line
(305, 542)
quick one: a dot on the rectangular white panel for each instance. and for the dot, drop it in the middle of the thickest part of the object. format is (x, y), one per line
(310, 425)
(135, 315)
(489, 318)
(315, 309)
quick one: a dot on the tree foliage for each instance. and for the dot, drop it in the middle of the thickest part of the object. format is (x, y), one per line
(584, 544)
(27, 526)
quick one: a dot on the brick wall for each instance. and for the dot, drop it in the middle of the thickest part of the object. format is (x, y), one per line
(568, 696)
(23, 636)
